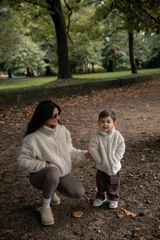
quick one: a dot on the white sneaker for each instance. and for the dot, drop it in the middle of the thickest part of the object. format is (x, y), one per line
(98, 202)
(113, 204)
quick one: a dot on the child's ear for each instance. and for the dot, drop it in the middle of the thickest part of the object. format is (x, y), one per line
(98, 123)
(114, 124)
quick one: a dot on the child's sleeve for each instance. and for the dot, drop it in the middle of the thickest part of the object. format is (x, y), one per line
(94, 149)
(120, 150)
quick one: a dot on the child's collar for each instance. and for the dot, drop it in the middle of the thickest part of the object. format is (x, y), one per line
(106, 134)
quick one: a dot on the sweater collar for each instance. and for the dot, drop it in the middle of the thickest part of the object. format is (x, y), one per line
(106, 134)
(48, 131)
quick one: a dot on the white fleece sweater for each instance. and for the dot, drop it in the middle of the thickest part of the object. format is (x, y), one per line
(49, 145)
(107, 150)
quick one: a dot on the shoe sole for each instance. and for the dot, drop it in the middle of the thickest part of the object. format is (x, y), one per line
(113, 207)
(47, 224)
(97, 205)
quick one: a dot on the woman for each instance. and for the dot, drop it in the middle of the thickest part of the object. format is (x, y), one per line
(47, 154)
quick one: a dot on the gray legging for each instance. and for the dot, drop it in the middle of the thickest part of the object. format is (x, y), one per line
(48, 179)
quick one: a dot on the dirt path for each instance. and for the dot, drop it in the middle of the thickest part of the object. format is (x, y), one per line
(138, 119)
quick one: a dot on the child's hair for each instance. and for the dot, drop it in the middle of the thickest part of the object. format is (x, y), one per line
(43, 112)
(107, 113)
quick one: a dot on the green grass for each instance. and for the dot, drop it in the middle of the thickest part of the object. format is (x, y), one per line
(24, 83)
(116, 74)
(7, 84)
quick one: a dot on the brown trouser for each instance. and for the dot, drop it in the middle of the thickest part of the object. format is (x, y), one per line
(49, 180)
(108, 185)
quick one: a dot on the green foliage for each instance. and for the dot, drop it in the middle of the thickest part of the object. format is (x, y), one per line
(140, 15)
(17, 50)
(147, 46)
(85, 43)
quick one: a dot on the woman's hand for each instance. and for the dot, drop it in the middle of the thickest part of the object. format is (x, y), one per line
(47, 163)
(88, 155)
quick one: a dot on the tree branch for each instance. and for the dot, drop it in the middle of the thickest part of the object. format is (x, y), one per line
(119, 7)
(115, 31)
(154, 19)
(70, 9)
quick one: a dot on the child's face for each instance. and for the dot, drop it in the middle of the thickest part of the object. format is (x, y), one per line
(106, 124)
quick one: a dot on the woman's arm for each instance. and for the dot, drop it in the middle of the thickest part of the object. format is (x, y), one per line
(28, 160)
(77, 155)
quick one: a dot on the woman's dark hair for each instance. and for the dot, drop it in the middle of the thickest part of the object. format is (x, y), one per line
(43, 112)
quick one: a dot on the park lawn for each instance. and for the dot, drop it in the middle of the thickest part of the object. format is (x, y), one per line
(7, 84)
(14, 84)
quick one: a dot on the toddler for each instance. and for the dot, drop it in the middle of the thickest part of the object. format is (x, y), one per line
(107, 148)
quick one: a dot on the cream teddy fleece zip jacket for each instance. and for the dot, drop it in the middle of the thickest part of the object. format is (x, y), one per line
(107, 150)
(51, 145)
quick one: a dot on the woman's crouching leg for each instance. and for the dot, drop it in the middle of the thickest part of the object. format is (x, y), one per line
(47, 179)
(70, 187)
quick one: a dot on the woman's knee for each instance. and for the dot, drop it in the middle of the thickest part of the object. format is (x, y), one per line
(79, 192)
(53, 174)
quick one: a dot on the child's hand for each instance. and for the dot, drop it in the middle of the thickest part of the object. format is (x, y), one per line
(88, 155)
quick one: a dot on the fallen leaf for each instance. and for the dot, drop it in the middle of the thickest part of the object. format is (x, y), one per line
(38, 209)
(142, 160)
(146, 105)
(32, 234)
(8, 231)
(93, 188)
(24, 237)
(14, 184)
(158, 229)
(122, 213)
(77, 214)
(139, 205)
(138, 229)
(2, 238)
(141, 186)
(88, 200)
(99, 231)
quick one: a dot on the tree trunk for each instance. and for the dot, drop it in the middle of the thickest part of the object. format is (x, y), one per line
(137, 63)
(110, 66)
(131, 53)
(9, 73)
(60, 26)
(28, 72)
(92, 67)
(85, 67)
(48, 70)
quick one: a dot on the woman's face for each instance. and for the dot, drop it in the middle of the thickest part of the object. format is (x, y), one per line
(53, 121)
